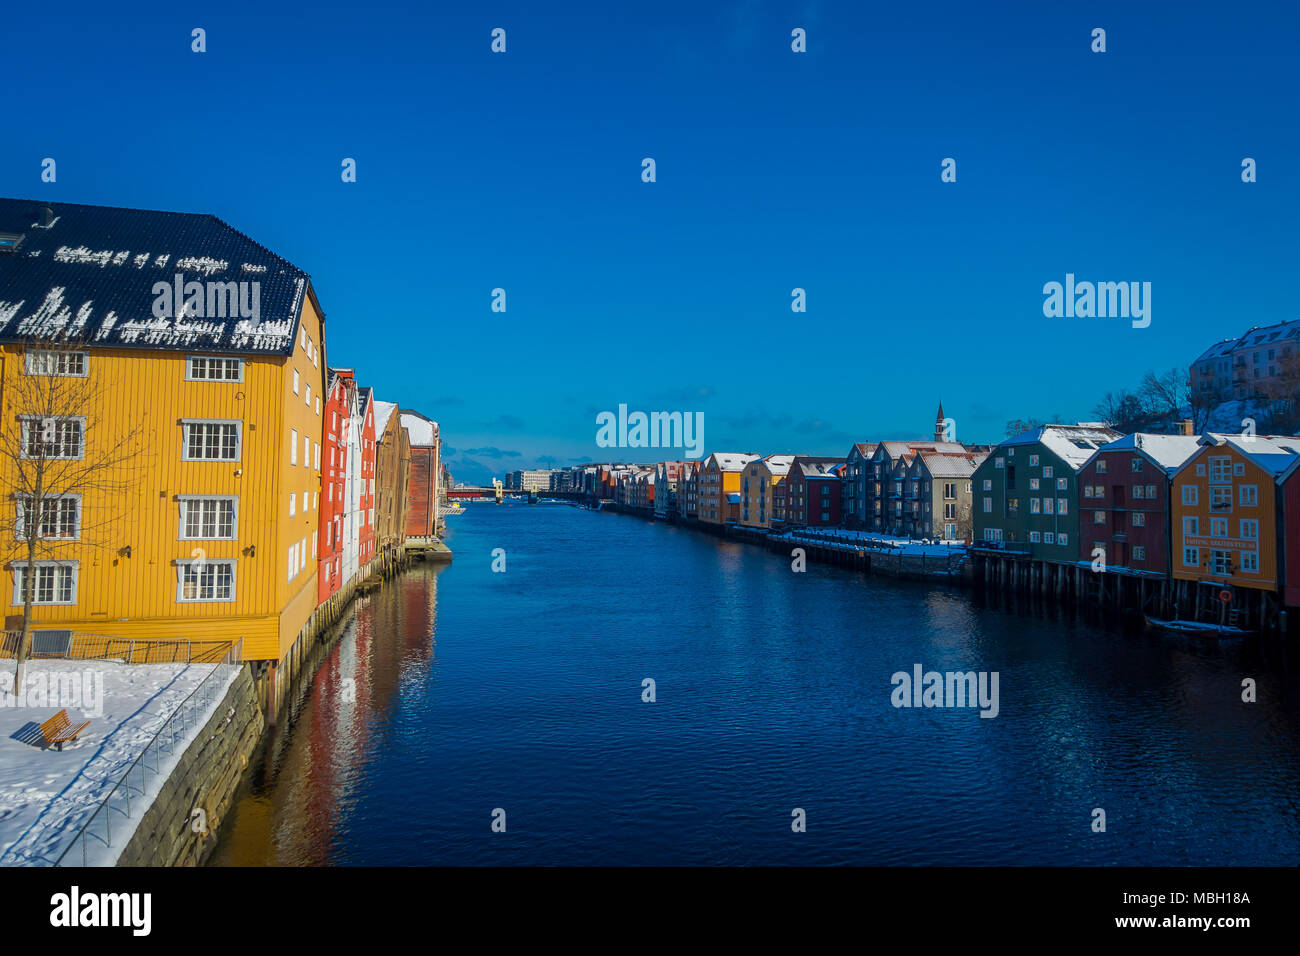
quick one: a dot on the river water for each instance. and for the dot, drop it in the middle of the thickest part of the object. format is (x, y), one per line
(458, 691)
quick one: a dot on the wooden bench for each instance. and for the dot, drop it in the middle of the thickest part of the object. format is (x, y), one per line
(58, 730)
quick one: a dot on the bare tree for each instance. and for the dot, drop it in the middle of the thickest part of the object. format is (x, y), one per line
(61, 469)
(1279, 395)
(1018, 425)
(1166, 395)
(1205, 400)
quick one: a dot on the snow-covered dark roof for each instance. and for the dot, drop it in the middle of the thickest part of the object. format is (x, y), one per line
(90, 274)
(812, 467)
(1216, 350)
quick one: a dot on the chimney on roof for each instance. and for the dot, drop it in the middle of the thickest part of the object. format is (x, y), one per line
(1185, 427)
(47, 217)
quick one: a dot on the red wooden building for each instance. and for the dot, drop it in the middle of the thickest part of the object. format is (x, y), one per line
(339, 397)
(813, 492)
(422, 490)
(1124, 502)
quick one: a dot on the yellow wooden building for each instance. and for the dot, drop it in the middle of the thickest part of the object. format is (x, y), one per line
(718, 487)
(1223, 512)
(191, 360)
(759, 480)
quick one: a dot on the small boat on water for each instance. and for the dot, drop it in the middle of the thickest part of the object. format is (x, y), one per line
(1196, 627)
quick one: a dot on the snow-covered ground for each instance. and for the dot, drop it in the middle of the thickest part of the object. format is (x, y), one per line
(46, 795)
(841, 537)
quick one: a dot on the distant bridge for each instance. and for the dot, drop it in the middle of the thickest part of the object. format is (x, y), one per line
(479, 492)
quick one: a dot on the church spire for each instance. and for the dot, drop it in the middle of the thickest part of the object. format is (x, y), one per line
(938, 423)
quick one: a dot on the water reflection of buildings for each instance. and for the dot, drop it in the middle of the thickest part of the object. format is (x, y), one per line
(323, 759)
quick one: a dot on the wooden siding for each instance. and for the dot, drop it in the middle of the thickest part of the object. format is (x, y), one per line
(135, 593)
(1264, 512)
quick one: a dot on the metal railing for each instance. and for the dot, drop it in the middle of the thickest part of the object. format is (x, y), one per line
(77, 645)
(131, 789)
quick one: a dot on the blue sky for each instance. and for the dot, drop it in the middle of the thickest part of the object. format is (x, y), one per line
(775, 170)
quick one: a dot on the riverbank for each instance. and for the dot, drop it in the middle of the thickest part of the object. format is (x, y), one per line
(992, 569)
(149, 782)
(855, 550)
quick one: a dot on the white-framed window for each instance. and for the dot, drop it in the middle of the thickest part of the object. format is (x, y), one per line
(1101, 466)
(1137, 490)
(306, 395)
(988, 506)
(1099, 517)
(1035, 506)
(60, 517)
(1063, 539)
(1221, 499)
(304, 502)
(1048, 506)
(1062, 484)
(1139, 553)
(1248, 495)
(293, 561)
(1192, 557)
(306, 452)
(1033, 484)
(318, 456)
(988, 484)
(1238, 467)
(1047, 471)
(1220, 561)
(317, 404)
(1139, 519)
(209, 518)
(205, 368)
(1250, 561)
(1200, 469)
(54, 436)
(1220, 470)
(1033, 460)
(55, 582)
(205, 581)
(1135, 464)
(1192, 525)
(302, 553)
(293, 504)
(1190, 496)
(211, 440)
(313, 543)
(1218, 527)
(1249, 528)
(1049, 537)
(293, 446)
(57, 362)
(1062, 506)
(296, 381)
(1035, 537)
(998, 463)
